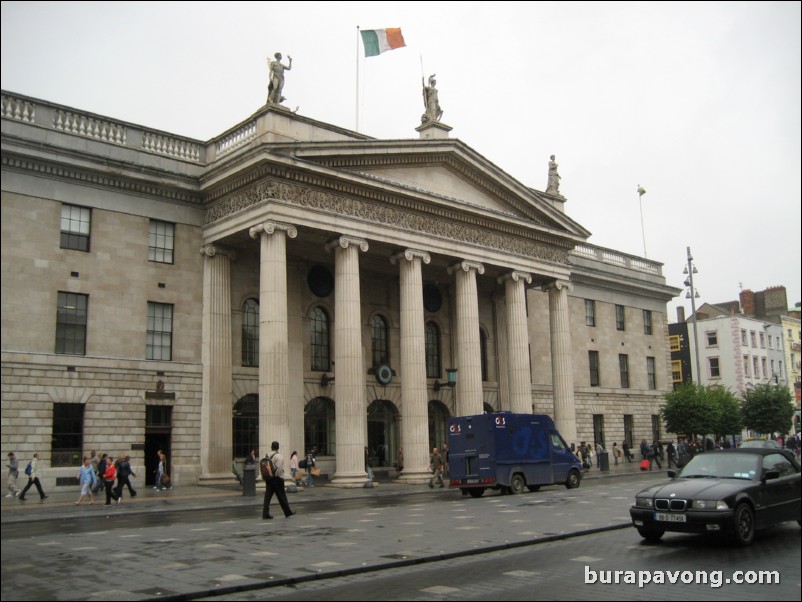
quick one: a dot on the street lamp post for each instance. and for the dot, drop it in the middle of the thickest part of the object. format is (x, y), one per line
(690, 270)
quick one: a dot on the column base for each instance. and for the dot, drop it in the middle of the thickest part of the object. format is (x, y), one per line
(349, 481)
(414, 477)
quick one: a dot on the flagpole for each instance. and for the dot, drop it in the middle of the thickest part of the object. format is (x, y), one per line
(641, 192)
(357, 79)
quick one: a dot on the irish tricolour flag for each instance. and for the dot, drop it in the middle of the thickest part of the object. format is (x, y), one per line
(377, 41)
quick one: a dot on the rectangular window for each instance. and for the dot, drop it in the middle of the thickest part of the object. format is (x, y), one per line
(598, 431)
(762, 340)
(590, 312)
(68, 434)
(75, 225)
(651, 373)
(771, 343)
(743, 336)
(713, 366)
(161, 241)
(160, 332)
(752, 338)
(756, 366)
(676, 371)
(746, 366)
(674, 342)
(766, 373)
(593, 361)
(71, 317)
(619, 318)
(712, 338)
(623, 366)
(647, 321)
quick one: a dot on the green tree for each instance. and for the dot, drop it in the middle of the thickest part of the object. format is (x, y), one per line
(767, 409)
(688, 410)
(728, 420)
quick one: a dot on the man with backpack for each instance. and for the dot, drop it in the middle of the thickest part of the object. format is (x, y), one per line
(271, 467)
(32, 470)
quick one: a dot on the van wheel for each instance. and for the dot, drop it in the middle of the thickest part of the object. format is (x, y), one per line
(573, 480)
(517, 484)
(476, 491)
(533, 488)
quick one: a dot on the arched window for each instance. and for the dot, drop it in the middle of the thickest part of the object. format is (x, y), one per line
(380, 340)
(321, 342)
(432, 350)
(250, 333)
(438, 421)
(245, 428)
(483, 352)
(320, 426)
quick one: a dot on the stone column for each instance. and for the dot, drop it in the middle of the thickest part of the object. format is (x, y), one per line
(217, 402)
(520, 376)
(274, 347)
(414, 394)
(351, 409)
(561, 369)
(469, 358)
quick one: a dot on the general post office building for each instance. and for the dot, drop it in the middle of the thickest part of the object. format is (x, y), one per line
(295, 281)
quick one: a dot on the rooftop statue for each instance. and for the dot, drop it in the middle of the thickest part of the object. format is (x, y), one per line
(276, 85)
(433, 110)
(553, 186)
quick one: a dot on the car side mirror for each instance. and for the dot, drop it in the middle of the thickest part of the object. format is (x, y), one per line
(772, 474)
(672, 474)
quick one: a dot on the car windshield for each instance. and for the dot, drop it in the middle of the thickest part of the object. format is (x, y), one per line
(722, 466)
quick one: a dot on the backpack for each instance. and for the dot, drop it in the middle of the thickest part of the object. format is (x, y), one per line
(266, 467)
(303, 463)
(29, 468)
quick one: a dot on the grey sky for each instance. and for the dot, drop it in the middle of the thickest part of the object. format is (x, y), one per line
(698, 103)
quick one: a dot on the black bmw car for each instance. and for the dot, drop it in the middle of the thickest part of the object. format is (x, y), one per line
(734, 491)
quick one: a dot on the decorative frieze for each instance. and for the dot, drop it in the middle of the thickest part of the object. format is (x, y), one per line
(374, 213)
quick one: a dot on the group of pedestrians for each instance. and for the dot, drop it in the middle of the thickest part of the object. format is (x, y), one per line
(32, 471)
(101, 473)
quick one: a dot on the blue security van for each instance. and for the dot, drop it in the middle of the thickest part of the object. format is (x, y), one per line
(511, 452)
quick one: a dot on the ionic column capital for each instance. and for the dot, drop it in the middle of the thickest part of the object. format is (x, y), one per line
(270, 227)
(409, 255)
(466, 266)
(558, 285)
(346, 241)
(212, 249)
(515, 276)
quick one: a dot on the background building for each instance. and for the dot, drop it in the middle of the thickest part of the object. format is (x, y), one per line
(293, 280)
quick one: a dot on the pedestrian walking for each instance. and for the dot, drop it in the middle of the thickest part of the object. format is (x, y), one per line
(13, 475)
(436, 465)
(272, 469)
(654, 456)
(616, 453)
(33, 472)
(672, 454)
(368, 469)
(87, 479)
(124, 474)
(311, 458)
(109, 476)
(294, 467)
(399, 463)
(627, 453)
(101, 470)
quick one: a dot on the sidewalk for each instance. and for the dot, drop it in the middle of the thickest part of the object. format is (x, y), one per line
(61, 502)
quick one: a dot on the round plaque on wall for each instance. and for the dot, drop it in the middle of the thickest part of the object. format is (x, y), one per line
(384, 374)
(320, 281)
(432, 299)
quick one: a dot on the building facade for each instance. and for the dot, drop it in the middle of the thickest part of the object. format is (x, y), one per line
(291, 280)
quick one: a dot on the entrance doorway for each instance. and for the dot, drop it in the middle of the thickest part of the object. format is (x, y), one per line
(158, 436)
(382, 444)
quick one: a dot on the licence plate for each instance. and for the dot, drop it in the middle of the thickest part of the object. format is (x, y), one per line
(471, 481)
(669, 518)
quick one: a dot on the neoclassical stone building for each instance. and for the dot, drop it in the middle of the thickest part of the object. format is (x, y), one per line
(296, 281)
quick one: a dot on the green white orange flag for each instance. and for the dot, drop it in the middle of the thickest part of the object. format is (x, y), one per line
(377, 41)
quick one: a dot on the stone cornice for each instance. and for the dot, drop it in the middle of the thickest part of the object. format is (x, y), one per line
(656, 290)
(87, 177)
(369, 210)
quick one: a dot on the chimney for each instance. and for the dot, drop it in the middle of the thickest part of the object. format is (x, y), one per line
(747, 299)
(680, 314)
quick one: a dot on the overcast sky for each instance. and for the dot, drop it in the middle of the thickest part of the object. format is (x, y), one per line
(698, 103)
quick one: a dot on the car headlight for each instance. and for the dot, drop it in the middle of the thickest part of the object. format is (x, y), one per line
(710, 505)
(644, 502)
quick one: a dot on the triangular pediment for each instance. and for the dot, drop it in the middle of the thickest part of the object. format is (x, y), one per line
(448, 171)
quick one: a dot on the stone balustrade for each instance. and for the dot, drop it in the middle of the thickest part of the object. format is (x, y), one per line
(17, 108)
(90, 127)
(620, 259)
(171, 146)
(236, 139)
